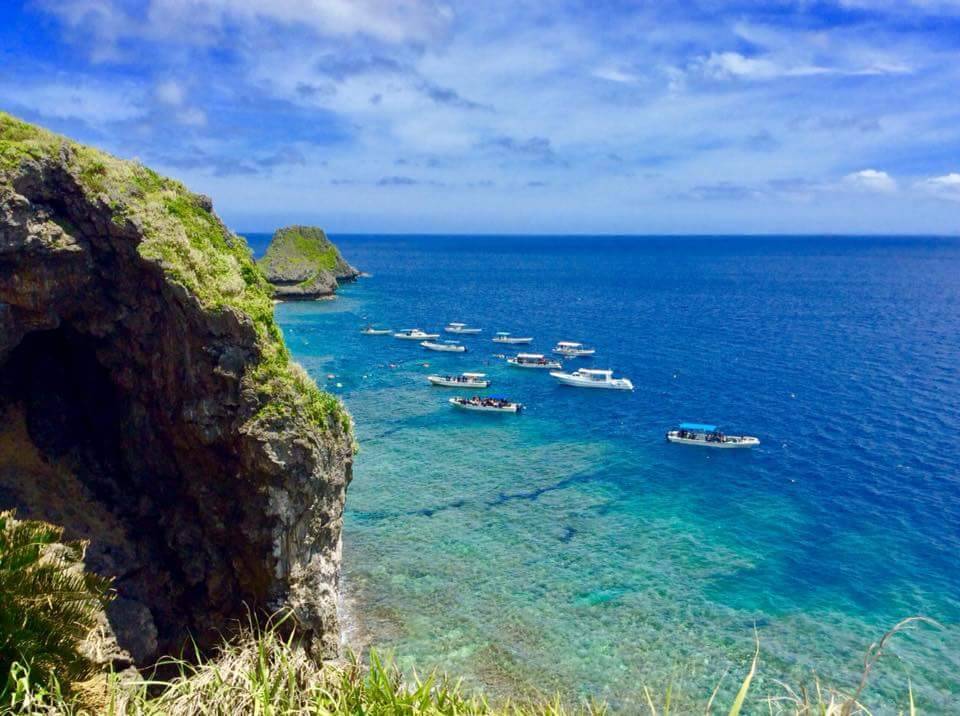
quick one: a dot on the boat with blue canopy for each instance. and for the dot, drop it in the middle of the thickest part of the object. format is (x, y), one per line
(708, 435)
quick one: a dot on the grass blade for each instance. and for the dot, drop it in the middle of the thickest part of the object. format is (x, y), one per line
(745, 686)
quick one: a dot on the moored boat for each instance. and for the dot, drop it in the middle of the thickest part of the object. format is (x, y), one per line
(534, 360)
(504, 337)
(444, 346)
(570, 349)
(591, 378)
(705, 435)
(481, 404)
(373, 331)
(464, 380)
(461, 328)
(415, 334)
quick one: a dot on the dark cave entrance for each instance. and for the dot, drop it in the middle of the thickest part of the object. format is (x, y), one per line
(64, 428)
(70, 407)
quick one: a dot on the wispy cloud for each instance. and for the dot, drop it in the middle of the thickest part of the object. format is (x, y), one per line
(872, 180)
(397, 181)
(450, 97)
(532, 148)
(643, 108)
(92, 102)
(731, 65)
(943, 187)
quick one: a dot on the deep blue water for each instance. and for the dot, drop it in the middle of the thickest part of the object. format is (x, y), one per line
(571, 547)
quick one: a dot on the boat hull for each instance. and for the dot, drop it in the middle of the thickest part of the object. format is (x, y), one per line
(534, 366)
(732, 442)
(444, 383)
(425, 336)
(512, 408)
(376, 333)
(574, 354)
(440, 348)
(573, 382)
(464, 331)
(513, 341)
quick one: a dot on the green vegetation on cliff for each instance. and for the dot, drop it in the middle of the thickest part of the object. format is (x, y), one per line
(305, 246)
(48, 604)
(185, 238)
(266, 671)
(302, 263)
(305, 250)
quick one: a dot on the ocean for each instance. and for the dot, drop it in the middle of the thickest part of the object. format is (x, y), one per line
(571, 547)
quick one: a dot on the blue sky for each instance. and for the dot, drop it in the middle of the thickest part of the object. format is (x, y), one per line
(516, 116)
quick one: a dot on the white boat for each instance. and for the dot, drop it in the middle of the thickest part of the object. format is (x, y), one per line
(371, 331)
(590, 378)
(415, 334)
(534, 360)
(486, 405)
(444, 346)
(569, 349)
(504, 337)
(464, 380)
(461, 328)
(705, 435)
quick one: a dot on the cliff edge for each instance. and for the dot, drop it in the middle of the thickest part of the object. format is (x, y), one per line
(149, 405)
(303, 264)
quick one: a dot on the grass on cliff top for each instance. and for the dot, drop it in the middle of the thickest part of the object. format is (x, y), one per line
(268, 673)
(192, 247)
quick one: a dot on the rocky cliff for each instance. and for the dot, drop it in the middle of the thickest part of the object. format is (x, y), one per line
(149, 405)
(303, 264)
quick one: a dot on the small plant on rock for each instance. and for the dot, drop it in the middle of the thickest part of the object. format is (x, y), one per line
(48, 605)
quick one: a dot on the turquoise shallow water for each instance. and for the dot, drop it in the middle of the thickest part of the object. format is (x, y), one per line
(570, 547)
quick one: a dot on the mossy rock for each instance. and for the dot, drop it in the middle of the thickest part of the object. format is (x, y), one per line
(302, 263)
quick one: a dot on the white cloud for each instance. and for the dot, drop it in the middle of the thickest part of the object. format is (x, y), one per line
(206, 21)
(170, 92)
(614, 74)
(944, 187)
(172, 96)
(727, 65)
(724, 65)
(871, 180)
(932, 7)
(191, 116)
(93, 104)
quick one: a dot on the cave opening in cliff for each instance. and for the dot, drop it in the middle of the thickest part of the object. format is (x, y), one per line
(69, 406)
(62, 444)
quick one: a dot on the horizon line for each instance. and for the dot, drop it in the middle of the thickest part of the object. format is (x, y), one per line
(630, 236)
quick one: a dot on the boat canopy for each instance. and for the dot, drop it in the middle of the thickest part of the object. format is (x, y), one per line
(503, 333)
(530, 355)
(474, 375)
(570, 344)
(594, 371)
(699, 427)
(456, 324)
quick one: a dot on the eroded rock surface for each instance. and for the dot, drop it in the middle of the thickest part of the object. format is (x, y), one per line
(147, 402)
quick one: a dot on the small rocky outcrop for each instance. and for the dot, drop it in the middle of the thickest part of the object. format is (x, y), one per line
(302, 264)
(148, 403)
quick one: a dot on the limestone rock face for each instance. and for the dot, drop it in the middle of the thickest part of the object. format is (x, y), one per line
(303, 264)
(148, 404)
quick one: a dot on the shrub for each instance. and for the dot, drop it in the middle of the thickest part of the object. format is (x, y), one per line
(48, 605)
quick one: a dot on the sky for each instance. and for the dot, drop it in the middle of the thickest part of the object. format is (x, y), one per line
(514, 116)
